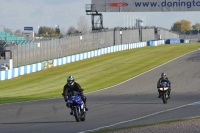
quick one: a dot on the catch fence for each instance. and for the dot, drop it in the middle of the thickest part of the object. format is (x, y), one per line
(30, 52)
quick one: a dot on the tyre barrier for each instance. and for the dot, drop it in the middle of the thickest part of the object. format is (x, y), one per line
(172, 41)
(184, 41)
(155, 43)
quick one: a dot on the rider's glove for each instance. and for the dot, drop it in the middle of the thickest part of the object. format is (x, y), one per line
(67, 104)
(66, 99)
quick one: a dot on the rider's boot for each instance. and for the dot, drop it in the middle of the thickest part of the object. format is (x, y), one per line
(159, 95)
(71, 113)
(84, 100)
(86, 109)
(168, 95)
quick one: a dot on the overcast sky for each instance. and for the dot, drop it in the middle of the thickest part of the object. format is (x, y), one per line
(17, 14)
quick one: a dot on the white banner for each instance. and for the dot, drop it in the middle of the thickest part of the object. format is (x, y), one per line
(145, 5)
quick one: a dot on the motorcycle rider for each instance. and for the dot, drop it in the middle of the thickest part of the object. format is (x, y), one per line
(73, 86)
(164, 78)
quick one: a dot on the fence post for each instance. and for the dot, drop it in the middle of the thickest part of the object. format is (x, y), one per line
(114, 37)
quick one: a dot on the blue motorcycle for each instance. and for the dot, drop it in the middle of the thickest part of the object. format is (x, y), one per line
(77, 106)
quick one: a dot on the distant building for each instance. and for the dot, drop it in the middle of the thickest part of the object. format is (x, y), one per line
(28, 33)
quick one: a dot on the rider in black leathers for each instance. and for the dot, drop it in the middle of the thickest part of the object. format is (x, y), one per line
(73, 86)
(164, 79)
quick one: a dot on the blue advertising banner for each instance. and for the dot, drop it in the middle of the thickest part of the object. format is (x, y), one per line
(28, 28)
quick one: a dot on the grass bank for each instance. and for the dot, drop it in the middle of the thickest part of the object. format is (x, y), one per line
(93, 74)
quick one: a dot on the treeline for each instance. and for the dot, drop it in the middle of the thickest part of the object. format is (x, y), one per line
(185, 27)
(82, 27)
(11, 31)
(48, 32)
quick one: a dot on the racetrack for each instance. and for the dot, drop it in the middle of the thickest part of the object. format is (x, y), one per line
(135, 100)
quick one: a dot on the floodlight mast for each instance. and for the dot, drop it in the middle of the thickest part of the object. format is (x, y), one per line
(90, 10)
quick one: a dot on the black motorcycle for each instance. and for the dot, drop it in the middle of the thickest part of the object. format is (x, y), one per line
(164, 88)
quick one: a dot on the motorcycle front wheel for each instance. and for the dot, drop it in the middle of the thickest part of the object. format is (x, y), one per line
(164, 97)
(76, 114)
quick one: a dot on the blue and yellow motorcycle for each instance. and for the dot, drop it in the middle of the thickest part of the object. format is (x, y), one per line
(77, 106)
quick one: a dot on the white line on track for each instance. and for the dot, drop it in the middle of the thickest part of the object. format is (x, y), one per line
(99, 128)
(142, 116)
(116, 84)
(142, 73)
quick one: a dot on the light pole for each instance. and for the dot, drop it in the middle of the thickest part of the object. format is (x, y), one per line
(121, 37)
(114, 34)
(38, 31)
(3, 29)
(13, 33)
(2, 26)
(81, 38)
(9, 37)
(57, 29)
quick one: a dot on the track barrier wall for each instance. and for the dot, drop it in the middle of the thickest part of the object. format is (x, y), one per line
(155, 43)
(15, 72)
(172, 41)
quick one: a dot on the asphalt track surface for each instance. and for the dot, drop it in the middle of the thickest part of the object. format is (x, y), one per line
(131, 103)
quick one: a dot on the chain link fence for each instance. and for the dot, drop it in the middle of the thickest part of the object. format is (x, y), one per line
(166, 34)
(30, 52)
(148, 34)
(191, 37)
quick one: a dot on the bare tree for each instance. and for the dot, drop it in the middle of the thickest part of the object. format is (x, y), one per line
(62, 30)
(8, 30)
(18, 32)
(72, 30)
(83, 25)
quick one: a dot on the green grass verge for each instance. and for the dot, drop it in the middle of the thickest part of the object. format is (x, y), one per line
(93, 74)
(145, 125)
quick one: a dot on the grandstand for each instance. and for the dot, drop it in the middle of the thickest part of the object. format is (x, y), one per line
(8, 38)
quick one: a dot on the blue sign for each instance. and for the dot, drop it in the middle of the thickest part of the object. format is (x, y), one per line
(28, 28)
